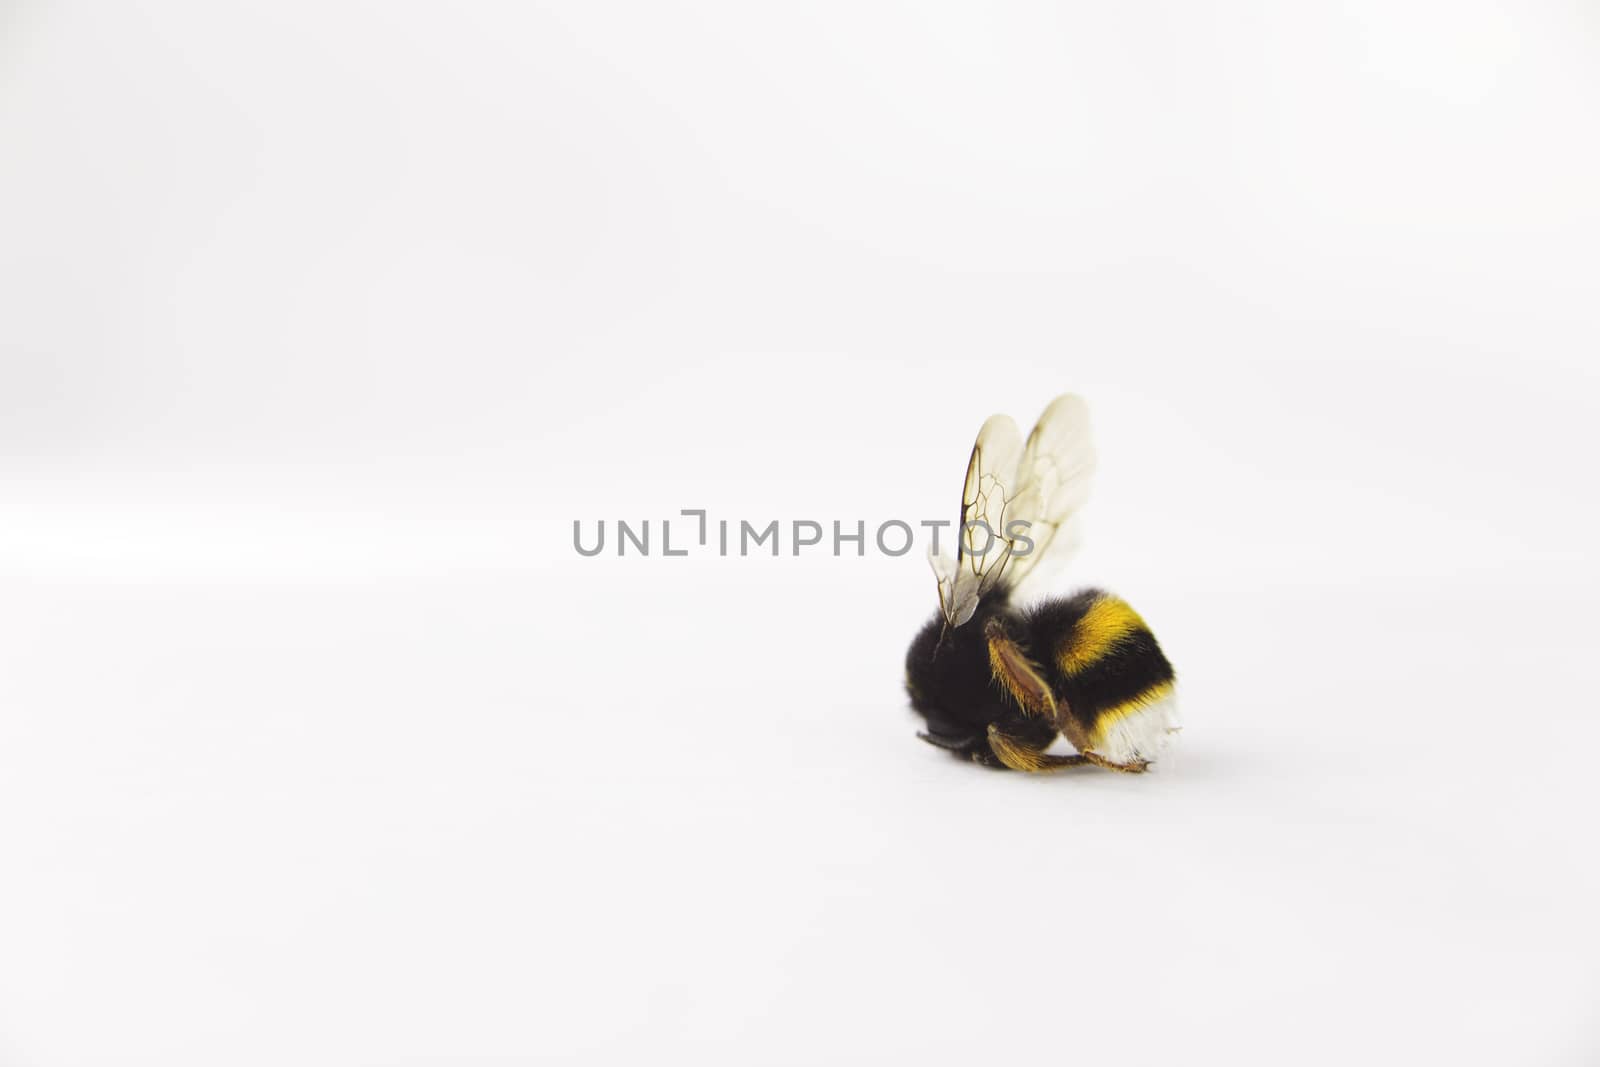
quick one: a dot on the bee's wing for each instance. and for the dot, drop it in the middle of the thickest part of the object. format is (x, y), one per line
(981, 550)
(944, 571)
(1043, 484)
(1054, 476)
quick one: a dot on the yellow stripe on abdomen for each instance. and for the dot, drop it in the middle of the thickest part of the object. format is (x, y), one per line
(1107, 621)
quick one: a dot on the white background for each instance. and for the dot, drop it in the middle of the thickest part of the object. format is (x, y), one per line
(319, 744)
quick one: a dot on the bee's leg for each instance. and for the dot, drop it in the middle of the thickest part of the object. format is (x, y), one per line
(1017, 674)
(949, 744)
(973, 748)
(983, 756)
(1136, 767)
(1024, 757)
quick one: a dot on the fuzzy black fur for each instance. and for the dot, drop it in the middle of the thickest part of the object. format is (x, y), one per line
(952, 687)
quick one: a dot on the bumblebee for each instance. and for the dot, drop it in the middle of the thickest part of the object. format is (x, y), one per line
(997, 684)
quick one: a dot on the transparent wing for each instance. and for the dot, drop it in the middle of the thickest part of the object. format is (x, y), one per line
(1054, 474)
(944, 571)
(1017, 505)
(981, 548)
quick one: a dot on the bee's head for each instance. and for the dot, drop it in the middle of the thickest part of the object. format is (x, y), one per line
(948, 680)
